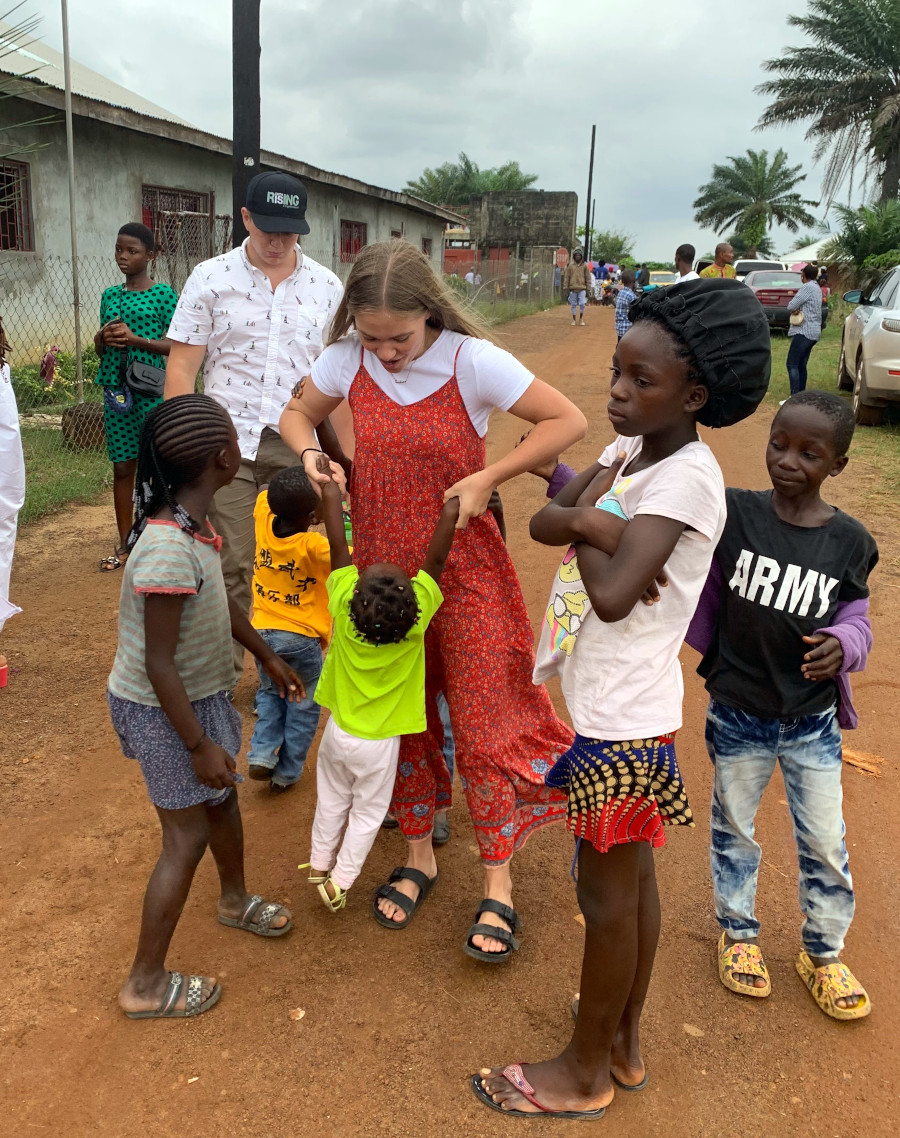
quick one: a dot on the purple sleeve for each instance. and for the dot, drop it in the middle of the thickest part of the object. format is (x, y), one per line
(703, 623)
(562, 476)
(853, 631)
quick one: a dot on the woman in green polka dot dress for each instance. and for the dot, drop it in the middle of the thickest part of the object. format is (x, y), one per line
(134, 319)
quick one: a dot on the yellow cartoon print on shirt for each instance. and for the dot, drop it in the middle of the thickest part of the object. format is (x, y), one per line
(569, 603)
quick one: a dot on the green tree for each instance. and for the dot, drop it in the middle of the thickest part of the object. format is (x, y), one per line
(846, 84)
(453, 183)
(869, 237)
(763, 248)
(751, 194)
(609, 245)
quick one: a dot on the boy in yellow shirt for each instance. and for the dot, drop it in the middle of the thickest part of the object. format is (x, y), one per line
(290, 612)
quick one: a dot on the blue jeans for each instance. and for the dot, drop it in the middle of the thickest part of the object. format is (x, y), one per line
(798, 354)
(449, 745)
(285, 731)
(744, 750)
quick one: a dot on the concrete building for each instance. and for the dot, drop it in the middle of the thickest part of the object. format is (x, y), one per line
(531, 219)
(137, 161)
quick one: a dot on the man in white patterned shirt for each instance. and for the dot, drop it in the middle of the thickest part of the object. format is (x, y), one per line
(258, 315)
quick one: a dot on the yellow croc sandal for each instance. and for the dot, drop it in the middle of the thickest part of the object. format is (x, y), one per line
(830, 983)
(739, 958)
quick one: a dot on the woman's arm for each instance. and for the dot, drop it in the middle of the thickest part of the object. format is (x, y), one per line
(297, 426)
(557, 425)
(615, 584)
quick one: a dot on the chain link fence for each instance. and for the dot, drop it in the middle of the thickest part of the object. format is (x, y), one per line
(62, 424)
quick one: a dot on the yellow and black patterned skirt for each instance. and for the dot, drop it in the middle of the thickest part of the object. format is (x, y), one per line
(622, 791)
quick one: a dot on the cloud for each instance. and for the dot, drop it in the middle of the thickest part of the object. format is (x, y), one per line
(380, 89)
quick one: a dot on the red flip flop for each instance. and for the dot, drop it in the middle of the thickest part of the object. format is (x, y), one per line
(514, 1076)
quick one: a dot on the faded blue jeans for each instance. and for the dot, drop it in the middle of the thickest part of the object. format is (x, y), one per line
(744, 750)
(284, 731)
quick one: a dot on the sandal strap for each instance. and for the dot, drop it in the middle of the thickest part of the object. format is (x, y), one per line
(507, 912)
(266, 915)
(839, 981)
(744, 959)
(407, 904)
(498, 933)
(407, 873)
(194, 996)
(175, 982)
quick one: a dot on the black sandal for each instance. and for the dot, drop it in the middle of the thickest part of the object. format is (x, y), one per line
(505, 936)
(407, 904)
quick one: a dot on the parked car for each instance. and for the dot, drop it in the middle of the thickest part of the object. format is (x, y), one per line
(773, 291)
(660, 279)
(744, 268)
(870, 349)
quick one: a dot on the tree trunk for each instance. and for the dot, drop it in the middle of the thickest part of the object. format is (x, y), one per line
(751, 253)
(890, 179)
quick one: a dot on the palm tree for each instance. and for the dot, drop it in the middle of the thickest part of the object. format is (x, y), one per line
(866, 236)
(750, 194)
(453, 183)
(846, 83)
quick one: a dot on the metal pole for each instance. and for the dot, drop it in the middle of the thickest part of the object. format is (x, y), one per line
(245, 52)
(587, 213)
(590, 248)
(70, 154)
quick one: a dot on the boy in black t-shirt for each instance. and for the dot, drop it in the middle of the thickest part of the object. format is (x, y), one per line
(782, 621)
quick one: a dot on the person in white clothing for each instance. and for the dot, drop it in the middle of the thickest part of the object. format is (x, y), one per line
(684, 263)
(12, 480)
(649, 512)
(258, 315)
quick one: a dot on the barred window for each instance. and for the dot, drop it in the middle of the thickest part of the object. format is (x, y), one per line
(354, 234)
(158, 205)
(16, 231)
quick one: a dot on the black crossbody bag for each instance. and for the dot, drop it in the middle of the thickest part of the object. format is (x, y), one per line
(141, 378)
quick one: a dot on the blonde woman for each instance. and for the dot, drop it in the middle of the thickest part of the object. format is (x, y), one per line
(422, 377)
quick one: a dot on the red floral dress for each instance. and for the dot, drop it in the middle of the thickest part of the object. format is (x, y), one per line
(478, 649)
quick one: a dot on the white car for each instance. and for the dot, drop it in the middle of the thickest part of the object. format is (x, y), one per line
(743, 267)
(870, 349)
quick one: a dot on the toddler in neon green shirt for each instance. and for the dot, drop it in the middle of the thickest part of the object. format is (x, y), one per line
(373, 682)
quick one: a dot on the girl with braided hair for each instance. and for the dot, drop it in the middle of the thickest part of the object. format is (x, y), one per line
(168, 693)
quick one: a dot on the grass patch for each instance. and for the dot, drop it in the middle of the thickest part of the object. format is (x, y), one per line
(877, 446)
(58, 476)
(501, 311)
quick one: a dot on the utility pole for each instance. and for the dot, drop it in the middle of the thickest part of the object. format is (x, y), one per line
(73, 235)
(590, 248)
(245, 52)
(587, 216)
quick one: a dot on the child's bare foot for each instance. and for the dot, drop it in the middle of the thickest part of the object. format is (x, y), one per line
(557, 1086)
(147, 993)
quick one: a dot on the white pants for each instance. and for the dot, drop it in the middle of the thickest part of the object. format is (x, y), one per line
(354, 784)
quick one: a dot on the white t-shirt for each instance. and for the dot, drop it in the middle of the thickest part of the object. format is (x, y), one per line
(487, 376)
(623, 680)
(691, 276)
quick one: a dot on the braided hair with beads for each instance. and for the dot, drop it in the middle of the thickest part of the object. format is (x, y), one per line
(177, 440)
(383, 609)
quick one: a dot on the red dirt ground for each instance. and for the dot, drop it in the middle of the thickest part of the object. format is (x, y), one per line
(394, 1025)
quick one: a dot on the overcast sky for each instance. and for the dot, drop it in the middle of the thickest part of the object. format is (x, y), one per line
(380, 89)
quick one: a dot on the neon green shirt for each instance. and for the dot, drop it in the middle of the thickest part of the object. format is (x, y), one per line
(375, 691)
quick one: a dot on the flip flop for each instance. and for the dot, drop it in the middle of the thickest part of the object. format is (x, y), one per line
(407, 904)
(830, 983)
(195, 1005)
(513, 1075)
(738, 957)
(615, 1078)
(110, 564)
(263, 911)
(505, 936)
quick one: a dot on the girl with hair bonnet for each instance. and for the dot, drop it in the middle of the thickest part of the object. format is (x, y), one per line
(650, 511)
(422, 378)
(168, 694)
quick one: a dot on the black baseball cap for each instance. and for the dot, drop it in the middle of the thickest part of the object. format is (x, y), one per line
(277, 203)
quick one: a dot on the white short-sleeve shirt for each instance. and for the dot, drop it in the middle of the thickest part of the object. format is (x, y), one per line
(487, 376)
(622, 680)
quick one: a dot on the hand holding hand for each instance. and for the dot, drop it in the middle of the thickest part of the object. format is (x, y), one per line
(825, 659)
(213, 765)
(320, 470)
(285, 678)
(474, 493)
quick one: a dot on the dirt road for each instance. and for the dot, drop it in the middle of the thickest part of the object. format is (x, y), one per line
(393, 1025)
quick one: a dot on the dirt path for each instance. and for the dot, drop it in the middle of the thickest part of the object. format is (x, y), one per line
(394, 1025)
